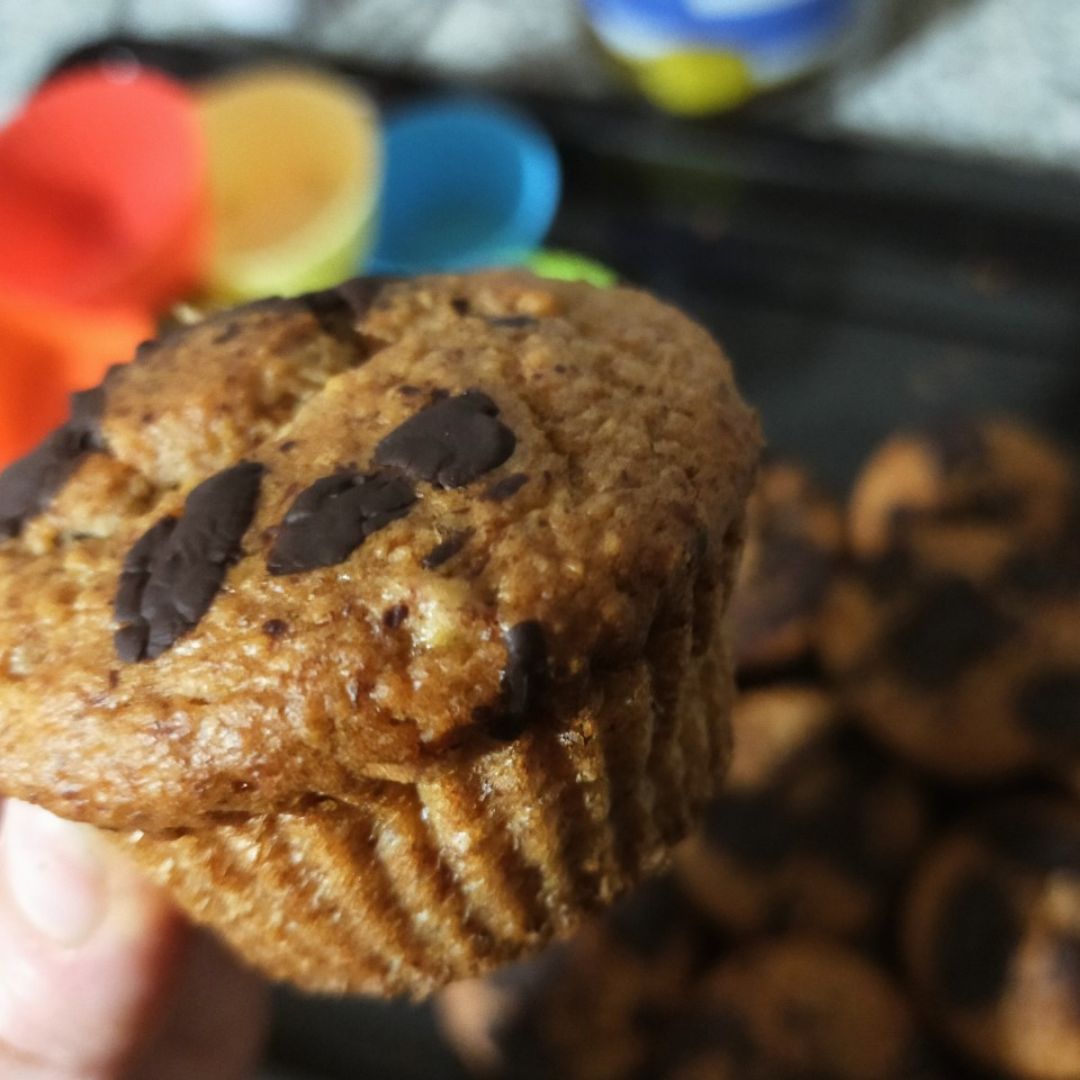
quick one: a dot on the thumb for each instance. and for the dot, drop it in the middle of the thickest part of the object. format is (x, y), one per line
(92, 957)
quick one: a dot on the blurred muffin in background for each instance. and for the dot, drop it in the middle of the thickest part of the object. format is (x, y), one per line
(594, 1008)
(992, 938)
(973, 678)
(962, 496)
(815, 828)
(793, 545)
(795, 1007)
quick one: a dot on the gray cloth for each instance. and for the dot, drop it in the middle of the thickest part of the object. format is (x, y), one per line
(995, 77)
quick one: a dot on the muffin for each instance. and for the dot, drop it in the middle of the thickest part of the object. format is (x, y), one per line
(795, 1007)
(815, 829)
(974, 679)
(971, 491)
(381, 626)
(992, 938)
(793, 546)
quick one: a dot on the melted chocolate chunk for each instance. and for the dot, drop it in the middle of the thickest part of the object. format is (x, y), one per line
(1052, 575)
(340, 310)
(460, 305)
(1065, 970)
(330, 519)
(651, 917)
(1033, 839)
(361, 293)
(524, 680)
(751, 829)
(513, 322)
(958, 445)
(952, 628)
(789, 584)
(275, 628)
(451, 443)
(226, 334)
(28, 485)
(172, 574)
(506, 487)
(394, 616)
(446, 550)
(708, 1033)
(976, 936)
(524, 683)
(1049, 708)
(840, 829)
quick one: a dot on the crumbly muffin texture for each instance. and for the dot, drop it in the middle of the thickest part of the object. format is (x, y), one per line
(422, 575)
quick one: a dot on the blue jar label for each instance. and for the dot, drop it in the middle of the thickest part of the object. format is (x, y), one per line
(734, 24)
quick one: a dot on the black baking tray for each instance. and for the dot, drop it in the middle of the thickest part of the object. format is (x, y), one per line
(858, 287)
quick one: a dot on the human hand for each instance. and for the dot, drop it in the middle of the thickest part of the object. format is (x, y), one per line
(100, 979)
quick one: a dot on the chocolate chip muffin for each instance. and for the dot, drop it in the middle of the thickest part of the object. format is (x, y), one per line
(381, 625)
(974, 679)
(796, 1007)
(793, 546)
(992, 937)
(963, 496)
(815, 829)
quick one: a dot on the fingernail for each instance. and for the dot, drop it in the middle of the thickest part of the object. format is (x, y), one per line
(53, 873)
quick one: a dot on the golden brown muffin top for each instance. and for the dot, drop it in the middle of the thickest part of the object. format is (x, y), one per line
(310, 542)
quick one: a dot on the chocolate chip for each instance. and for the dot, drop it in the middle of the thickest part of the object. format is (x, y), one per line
(525, 677)
(749, 828)
(394, 616)
(788, 584)
(506, 487)
(87, 408)
(130, 642)
(1032, 837)
(951, 628)
(1064, 973)
(1049, 708)
(172, 574)
(28, 485)
(330, 519)
(135, 571)
(226, 334)
(958, 445)
(340, 310)
(1051, 575)
(460, 305)
(839, 825)
(706, 1038)
(523, 685)
(445, 551)
(275, 628)
(650, 917)
(984, 506)
(451, 443)
(361, 293)
(513, 322)
(976, 935)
